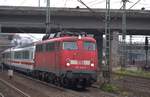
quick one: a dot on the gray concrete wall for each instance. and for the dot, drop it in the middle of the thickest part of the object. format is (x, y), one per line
(33, 20)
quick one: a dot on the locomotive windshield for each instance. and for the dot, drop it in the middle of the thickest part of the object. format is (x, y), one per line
(70, 46)
(90, 46)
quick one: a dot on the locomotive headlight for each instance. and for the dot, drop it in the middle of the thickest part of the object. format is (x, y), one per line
(92, 64)
(68, 64)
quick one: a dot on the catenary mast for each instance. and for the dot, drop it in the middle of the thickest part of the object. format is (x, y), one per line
(48, 21)
(106, 69)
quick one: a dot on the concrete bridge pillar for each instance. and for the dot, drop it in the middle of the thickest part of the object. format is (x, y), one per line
(114, 49)
(99, 39)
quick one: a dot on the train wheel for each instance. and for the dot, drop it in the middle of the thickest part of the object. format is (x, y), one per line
(46, 77)
(35, 74)
(65, 82)
(51, 78)
(57, 81)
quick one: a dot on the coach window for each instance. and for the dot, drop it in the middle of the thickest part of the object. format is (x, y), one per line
(3, 55)
(18, 55)
(90, 46)
(50, 46)
(25, 54)
(70, 46)
(7, 55)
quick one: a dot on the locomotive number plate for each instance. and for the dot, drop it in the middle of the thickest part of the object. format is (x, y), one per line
(81, 62)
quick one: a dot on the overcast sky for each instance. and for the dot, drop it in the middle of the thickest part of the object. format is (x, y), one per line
(116, 4)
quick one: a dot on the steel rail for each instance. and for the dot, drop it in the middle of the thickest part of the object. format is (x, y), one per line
(53, 86)
(2, 95)
(16, 89)
(70, 91)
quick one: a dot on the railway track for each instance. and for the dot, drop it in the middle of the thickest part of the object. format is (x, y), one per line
(132, 76)
(11, 89)
(49, 90)
(16, 89)
(31, 88)
(39, 81)
(45, 83)
(135, 80)
(1, 95)
(134, 84)
(139, 86)
(89, 92)
(73, 93)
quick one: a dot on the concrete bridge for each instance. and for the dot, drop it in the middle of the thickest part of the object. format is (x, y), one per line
(32, 20)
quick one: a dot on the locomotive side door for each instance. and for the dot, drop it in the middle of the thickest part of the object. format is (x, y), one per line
(57, 57)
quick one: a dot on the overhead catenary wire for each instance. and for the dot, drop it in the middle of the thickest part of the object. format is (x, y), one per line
(92, 4)
(121, 7)
(93, 1)
(22, 2)
(86, 6)
(135, 4)
(65, 3)
(132, 5)
(123, 3)
(91, 10)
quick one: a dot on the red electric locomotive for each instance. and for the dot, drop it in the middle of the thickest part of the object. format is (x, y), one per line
(67, 60)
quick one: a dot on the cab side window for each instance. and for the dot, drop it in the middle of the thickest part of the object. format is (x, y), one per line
(39, 48)
(50, 46)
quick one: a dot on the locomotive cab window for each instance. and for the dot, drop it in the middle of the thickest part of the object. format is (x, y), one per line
(90, 46)
(50, 46)
(39, 48)
(70, 46)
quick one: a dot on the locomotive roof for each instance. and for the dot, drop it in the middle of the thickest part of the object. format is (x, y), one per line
(66, 38)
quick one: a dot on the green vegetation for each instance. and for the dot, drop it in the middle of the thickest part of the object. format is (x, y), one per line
(110, 88)
(138, 73)
(113, 88)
